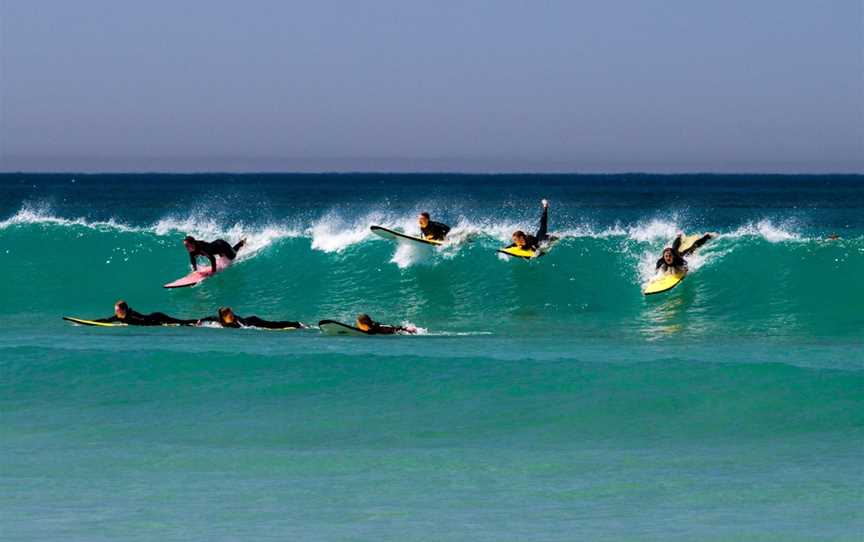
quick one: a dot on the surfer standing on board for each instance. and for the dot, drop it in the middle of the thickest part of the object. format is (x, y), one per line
(674, 260)
(532, 242)
(432, 231)
(219, 247)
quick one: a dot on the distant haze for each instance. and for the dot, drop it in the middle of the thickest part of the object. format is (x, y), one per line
(395, 85)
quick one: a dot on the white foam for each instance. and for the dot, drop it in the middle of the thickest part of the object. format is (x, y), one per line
(768, 231)
(41, 214)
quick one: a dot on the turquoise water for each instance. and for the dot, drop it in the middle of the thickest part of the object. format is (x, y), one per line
(544, 400)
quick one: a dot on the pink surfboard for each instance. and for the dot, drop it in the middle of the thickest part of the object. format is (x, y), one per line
(196, 277)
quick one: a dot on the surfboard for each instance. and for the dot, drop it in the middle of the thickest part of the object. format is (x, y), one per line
(392, 235)
(663, 283)
(688, 240)
(517, 252)
(197, 277)
(332, 327)
(83, 322)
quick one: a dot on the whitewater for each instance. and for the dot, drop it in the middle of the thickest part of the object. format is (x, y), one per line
(545, 399)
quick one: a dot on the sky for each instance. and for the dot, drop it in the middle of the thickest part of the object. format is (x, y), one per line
(401, 85)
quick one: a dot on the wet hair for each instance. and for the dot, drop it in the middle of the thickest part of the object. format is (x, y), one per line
(669, 250)
(518, 233)
(223, 311)
(122, 305)
(364, 319)
(425, 215)
(189, 239)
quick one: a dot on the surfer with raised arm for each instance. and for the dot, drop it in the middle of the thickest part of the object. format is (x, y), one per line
(432, 231)
(674, 260)
(533, 242)
(365, 323)
(219, 247)
(227, 318)
(125, 315)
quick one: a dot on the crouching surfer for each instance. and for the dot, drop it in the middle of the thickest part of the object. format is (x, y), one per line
(365, 323)
(125, 315)
(227, 318)
(673, 260)
(533, 242)
(210, 250)
(432, 231)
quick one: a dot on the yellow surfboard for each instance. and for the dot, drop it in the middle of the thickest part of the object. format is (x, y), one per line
(84, 322)
(527, 254)
(688, 240)
(663, 283)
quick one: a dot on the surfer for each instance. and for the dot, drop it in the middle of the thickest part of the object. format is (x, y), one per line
(219, 247)
(227, 318)
(365, 323)
(123, 314)
(532, 242)
(432, 231)
(674, 260)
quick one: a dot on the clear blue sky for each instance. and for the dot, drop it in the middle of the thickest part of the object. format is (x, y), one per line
(677, 85)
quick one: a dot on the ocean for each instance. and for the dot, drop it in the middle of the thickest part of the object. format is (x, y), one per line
(541, 400)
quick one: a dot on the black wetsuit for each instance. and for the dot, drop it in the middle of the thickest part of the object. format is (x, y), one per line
(435, 231)
(253, 321)
(135, 318)
(219, 247)
(678, 261)
(532, 242)
(381, 329)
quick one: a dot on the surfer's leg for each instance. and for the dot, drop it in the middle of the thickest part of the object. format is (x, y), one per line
(544, 221)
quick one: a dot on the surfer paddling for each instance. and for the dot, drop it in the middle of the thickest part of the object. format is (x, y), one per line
(125, 315)
(227, 318)
(673, 259)
(365, 323)
(219, 247)
(533, 242)
(432, 231)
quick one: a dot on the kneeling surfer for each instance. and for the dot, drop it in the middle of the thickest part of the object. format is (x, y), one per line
(533, 242)
(432, 231)
(125, 315)
(365, 323)
(219, 247)
(673, 260)
(227, 318)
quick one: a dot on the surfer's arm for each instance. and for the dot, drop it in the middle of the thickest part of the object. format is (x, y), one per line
(109, 320)
(212, 259)
(193, 261)
(698, 243)
(676, 243)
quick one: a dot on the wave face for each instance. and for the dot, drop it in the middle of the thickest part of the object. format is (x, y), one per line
(539, 391)
(73, 245)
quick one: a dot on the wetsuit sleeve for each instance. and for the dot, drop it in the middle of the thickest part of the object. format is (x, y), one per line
(676, 243)
(109, 320)
(212, 259)
(441, 230)
(698, 243)
(544, 221)
(193, 259)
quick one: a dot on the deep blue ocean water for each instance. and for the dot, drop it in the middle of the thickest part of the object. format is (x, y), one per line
(542, 400)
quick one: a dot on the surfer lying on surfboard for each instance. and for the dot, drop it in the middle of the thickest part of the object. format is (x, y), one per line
(432, 231)
(227, 318)
(533, 242)
(365, 323)
(125, 315)
(673, 260)
(219, 247)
